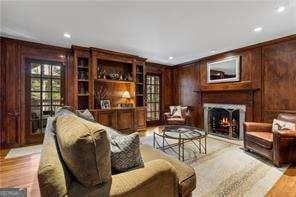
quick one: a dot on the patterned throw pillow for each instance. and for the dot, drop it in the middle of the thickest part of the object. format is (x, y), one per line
(278, 125)
(176, 111)
(125, 152)
(86, 115)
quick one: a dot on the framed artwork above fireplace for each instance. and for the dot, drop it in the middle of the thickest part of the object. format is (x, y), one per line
(225, 70)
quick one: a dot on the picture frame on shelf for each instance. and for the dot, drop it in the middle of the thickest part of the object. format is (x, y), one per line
(105, 104)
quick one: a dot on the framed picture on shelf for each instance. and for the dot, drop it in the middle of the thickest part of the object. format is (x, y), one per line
(105, 104)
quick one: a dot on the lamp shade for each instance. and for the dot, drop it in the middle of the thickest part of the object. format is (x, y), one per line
(126, 95)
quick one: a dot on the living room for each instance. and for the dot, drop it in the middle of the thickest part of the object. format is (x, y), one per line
(123, 98)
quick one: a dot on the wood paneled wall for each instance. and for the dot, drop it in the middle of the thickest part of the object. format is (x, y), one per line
(13, 108)
(268, 70)
(278, 79)
(267, 86)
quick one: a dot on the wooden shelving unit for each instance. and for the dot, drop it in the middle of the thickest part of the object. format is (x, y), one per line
(112, 81)
(106, 75)
(82, 67)
(140, 85)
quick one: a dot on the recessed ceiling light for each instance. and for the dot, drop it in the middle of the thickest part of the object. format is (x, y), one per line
(213, 51)
(66, 35)
(258, 29)
(170, 58)
(281, 8)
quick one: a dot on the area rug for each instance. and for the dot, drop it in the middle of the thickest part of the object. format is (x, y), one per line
(226, 169)
(23, 151)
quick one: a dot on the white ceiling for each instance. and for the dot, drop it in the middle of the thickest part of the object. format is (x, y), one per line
(155, 30)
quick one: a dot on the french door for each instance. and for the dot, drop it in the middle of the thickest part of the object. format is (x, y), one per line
(44, 94)
(153, 96)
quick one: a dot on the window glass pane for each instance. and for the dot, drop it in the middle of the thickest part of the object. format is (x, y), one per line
(156, 80)
(156, 107)
(149, 89)
(35, 98)
(56, 71)
(56, 96)
(56, 85)
(46, 102)
(35, 84)
(46, 96)
(46, 111)
(153, 89)
(157, 89)
(35, 70)
(46, 70)
(56, 102)
(148, 81)
(152, 97)
(156, 97)
(157, 115)
(46, 85)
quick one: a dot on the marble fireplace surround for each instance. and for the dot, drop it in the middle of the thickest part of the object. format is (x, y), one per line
(242, 114)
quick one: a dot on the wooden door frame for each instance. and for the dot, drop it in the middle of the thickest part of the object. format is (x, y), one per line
(46, 55)
(29, 138)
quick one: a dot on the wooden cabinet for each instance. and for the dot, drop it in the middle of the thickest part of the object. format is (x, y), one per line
(140, 118)
(125, 120)
(107, 118)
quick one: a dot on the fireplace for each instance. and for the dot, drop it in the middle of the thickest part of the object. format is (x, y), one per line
(224, 119)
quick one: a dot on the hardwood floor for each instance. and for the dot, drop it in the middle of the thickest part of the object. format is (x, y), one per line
(286, 185)
(21, 172)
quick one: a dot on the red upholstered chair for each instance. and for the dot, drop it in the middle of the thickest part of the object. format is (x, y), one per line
(184, 120)
(280, 147)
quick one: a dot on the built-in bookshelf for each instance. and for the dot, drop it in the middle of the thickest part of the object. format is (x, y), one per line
(83, 76)
(110, 77)
(114, 70)
(140, 85)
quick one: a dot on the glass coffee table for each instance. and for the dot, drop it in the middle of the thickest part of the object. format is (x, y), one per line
(182, 134)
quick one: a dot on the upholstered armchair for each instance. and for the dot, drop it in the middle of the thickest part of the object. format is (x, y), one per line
(280, 146)
(185, 119)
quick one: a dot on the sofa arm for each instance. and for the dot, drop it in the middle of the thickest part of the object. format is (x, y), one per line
(157, 178)
(257, 127)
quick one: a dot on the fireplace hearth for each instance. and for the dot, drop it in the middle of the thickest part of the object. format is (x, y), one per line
(224, 119)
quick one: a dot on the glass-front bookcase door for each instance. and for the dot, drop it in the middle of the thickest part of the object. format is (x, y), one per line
(44, 94)
(153, 95)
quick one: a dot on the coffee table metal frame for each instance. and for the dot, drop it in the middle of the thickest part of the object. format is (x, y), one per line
(195, 139)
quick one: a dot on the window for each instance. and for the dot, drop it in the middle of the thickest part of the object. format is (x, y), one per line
(153, 97)
(44, 85)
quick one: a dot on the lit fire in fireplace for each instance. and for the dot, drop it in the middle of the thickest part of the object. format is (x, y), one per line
(225, 122)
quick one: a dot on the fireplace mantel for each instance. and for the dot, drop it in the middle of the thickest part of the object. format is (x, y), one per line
(225, 106)
(237, 86)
